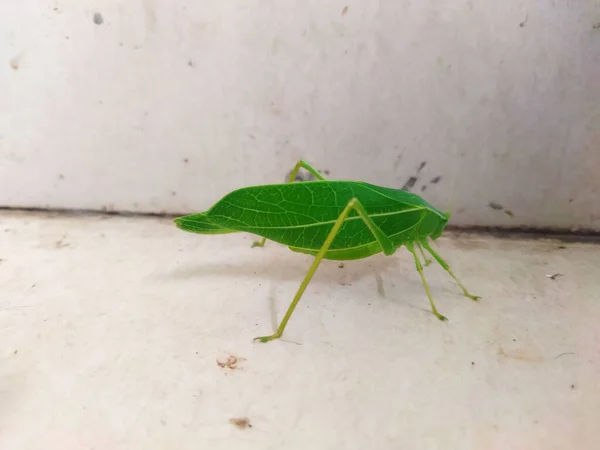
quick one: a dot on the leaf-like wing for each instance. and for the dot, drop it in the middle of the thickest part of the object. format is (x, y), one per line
(300, 215)
(199, 223)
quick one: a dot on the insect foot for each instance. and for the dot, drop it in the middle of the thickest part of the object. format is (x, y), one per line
(260, 243)
(439, 316)
(264, 339)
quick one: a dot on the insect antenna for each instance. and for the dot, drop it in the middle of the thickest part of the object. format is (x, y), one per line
(451, 197)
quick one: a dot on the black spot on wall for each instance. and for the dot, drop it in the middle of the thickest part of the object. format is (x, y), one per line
(98, 19)
(409, 184)
(436, 180)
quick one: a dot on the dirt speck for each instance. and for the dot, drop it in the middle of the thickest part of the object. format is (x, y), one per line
(397, 162)
(519, 355)
(340, 265)
(344, 10)
(496, 206)
(472, 363)
(509, 213)
(240, 422)
(436, 180)
(14, 63)
(572, 386)
(61, 176)
(186, 161)
(554, 276)
(596, 26)
(191, 63)
(522, 24)
(98, 19)
(231, 362)
(421, 166)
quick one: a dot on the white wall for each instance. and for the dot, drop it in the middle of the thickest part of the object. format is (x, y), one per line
(169, 104)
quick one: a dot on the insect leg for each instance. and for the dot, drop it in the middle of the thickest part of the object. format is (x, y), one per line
(382, 239)
(307, 167)
(411, 249)
(291, 179)
(425, 258)
(445, 265)
(260, 243)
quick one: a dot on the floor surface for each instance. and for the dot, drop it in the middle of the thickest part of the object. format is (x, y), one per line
(126, 333)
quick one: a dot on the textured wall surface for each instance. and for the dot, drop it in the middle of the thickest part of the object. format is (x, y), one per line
(491, 108)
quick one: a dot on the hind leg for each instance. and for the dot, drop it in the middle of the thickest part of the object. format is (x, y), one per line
(291, 179)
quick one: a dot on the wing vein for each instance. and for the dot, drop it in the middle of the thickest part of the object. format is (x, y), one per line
(315, 224)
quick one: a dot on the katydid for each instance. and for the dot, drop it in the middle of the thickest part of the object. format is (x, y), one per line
(336, 220)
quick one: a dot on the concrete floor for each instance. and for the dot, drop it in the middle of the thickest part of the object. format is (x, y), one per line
(114, 331)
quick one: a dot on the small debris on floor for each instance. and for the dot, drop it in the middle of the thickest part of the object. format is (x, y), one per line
(61, 242)
(340, 265)
(554, 276)
(231, 362)
(572, 386)
(563, 354)
(240, 422)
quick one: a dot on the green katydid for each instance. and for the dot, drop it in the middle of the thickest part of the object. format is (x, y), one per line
(336, 220)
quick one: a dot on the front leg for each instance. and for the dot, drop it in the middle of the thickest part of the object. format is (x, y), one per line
(386, 245)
